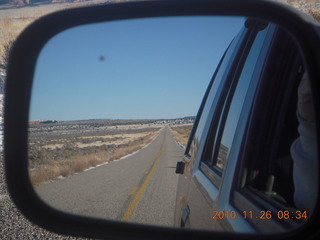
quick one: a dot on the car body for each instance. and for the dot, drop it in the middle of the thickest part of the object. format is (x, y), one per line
(237, 172)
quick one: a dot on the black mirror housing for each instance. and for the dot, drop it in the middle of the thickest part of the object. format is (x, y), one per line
(17, 103)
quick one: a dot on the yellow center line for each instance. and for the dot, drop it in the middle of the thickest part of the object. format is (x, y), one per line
(141, 190)
(133, 191)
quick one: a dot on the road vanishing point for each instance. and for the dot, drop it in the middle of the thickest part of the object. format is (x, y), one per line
(140, 188)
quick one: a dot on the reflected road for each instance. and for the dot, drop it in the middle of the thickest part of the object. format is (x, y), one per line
(140, 188)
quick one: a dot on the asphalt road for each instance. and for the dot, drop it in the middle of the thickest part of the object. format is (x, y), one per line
(140, 188)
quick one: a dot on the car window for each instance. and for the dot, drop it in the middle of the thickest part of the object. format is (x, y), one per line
(229, 130)
(268, 177)
(218, 78)
(219, 141)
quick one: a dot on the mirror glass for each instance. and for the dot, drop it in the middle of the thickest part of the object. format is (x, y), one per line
(112, 107)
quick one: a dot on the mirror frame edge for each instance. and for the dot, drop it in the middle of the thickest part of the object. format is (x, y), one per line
(18, 92)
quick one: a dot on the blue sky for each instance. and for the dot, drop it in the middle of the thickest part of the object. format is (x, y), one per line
(136, 69)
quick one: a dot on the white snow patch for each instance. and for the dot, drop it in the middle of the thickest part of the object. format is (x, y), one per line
(99, 165)
(180, 145)
(88, 169)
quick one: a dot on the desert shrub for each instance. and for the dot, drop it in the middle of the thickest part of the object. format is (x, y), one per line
(181, 133)
(315, 13)
(6, 52)
(9, 30)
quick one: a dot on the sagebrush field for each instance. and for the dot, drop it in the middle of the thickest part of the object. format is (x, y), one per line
(60, 149)
(63, 148)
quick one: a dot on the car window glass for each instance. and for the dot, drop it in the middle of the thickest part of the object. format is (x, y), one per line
(238, 101)
(226, 62)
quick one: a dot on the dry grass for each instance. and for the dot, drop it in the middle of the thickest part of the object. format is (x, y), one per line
(181, 133)
(12, 23)
(315, 13)
(50, 170)
(310, 7)
(9, 30)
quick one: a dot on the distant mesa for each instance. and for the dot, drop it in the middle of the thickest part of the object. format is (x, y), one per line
(43, 121)
(114, 122)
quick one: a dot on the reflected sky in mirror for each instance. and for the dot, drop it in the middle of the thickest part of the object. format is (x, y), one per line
(103, 70)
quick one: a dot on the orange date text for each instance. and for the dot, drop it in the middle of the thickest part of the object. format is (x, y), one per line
(261, 215)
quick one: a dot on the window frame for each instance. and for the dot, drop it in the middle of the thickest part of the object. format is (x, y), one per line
(224, 100)
(245, 197)
(199, 126)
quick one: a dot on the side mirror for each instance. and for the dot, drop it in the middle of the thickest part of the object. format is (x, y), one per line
(97, 87)
(180, 167)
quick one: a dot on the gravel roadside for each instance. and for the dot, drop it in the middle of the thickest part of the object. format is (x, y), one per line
(13, 225)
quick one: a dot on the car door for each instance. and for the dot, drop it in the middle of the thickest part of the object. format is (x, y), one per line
(206, 192)
(265, 189)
